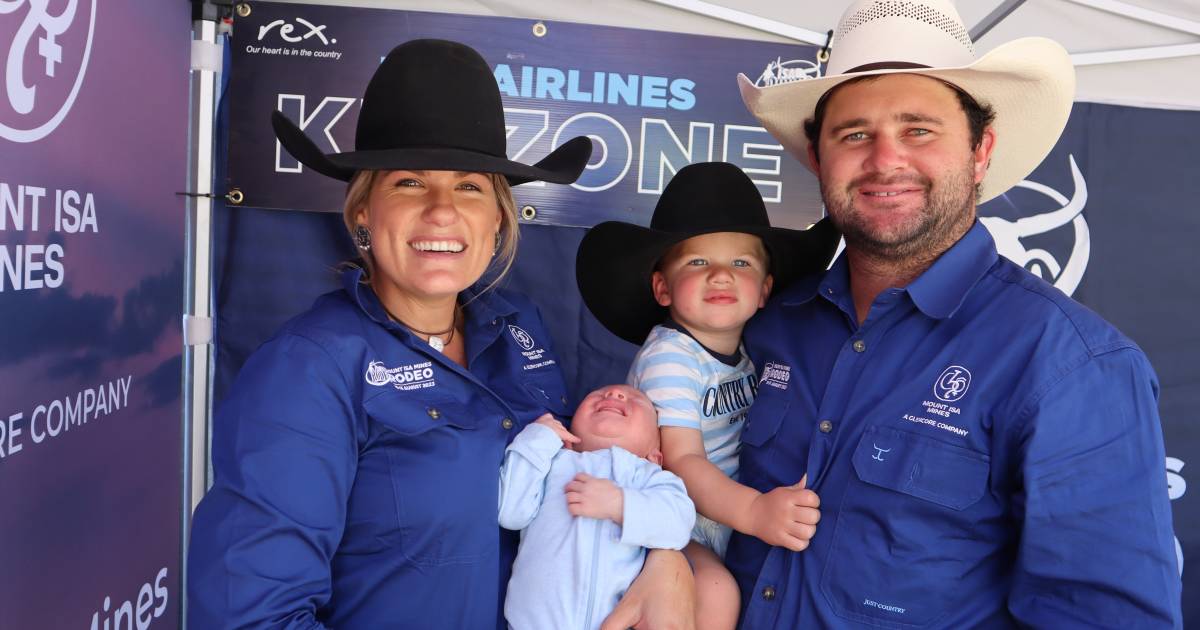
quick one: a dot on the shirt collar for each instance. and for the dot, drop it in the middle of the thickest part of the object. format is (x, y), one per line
(479, 306)
(833, 285)
(942, 288)
(938, 292)
(807, 287)
(732, 360)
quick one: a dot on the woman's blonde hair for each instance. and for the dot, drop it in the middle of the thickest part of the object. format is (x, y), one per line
(359, 190)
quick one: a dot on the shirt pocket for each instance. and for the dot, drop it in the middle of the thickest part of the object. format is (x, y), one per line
(904, 536)
(547, 393)
(763, 421)
(441, 468)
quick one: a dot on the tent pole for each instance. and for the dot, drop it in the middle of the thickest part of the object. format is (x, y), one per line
(1144, 15)
(1135, 54)
(206, 60)
(992, 19)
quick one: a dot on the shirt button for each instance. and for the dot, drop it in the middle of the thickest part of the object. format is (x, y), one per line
(825, 426)
(829, 290)
(507, 423)
(433, 413)
(860, 345)
(563, 399)
(768, 593)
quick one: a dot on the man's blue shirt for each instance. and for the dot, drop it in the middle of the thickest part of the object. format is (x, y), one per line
(987, 453)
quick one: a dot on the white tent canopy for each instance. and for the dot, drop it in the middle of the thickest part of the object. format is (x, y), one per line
(1127, 52)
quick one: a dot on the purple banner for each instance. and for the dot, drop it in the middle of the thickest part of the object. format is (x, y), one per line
(93, 148)
(652, 102)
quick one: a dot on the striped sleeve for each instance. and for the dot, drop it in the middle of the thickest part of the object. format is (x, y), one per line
(668, 374)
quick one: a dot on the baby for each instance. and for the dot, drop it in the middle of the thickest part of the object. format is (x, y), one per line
(589, 502)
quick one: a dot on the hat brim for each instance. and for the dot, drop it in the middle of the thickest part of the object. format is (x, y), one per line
(1029, 82)
(562, 166)
(615, 262)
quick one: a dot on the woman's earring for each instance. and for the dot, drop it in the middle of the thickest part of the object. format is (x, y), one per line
(362, 237)
(496, 248)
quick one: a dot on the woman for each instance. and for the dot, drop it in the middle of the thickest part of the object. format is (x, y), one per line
(356, 459)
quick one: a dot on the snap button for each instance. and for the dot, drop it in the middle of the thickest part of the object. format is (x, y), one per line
(433, 413)
(768, 593)
(507, 423)
(825, 426)
(860, 345)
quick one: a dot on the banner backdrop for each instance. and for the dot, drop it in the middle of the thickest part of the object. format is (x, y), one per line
(1109, 217)
(93, 148)
(652, 102)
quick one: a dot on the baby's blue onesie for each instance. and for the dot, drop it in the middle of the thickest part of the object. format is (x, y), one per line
(571, 571)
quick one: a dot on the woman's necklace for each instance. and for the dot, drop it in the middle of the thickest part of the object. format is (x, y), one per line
(434, 338)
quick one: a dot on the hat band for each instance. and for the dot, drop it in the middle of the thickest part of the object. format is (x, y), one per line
(886, 65)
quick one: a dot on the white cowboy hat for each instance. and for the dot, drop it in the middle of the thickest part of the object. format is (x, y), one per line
(1029, 82)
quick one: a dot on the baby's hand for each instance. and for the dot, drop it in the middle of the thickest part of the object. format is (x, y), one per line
(566, 436)
(596, 498)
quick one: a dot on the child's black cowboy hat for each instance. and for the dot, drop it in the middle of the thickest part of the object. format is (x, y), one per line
(616, 260)
(432, 105)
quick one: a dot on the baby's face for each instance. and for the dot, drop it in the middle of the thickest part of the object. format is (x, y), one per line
(617, 415)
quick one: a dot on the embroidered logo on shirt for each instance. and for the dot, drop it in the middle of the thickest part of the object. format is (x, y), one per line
(404, 378)
(888, 607)
(879, 451)
(522, 338)
(776, 375)
(952, 384)
(950, 387)
(534, 354)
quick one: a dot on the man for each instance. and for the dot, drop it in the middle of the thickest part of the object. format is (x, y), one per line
(986, 452)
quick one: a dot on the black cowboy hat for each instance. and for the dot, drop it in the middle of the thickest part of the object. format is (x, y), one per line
(616, 260)
(432, 105)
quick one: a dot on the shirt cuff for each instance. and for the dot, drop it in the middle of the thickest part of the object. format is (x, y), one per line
(538, 444)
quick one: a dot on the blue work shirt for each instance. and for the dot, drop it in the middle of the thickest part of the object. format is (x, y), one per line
(987, 453)
(356, 470)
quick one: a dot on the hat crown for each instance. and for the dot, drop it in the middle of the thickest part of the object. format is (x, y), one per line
(878, 33)
(707, 197)
(432, 93)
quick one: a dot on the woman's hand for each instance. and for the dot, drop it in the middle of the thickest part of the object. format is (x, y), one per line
(663, 597)
(563, 434)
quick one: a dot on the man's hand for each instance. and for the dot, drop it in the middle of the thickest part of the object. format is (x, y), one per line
(596, 498)
(566, 436)
(663, 597)
(786, 516)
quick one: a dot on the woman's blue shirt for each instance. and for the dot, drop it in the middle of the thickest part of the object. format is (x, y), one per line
(356, 470)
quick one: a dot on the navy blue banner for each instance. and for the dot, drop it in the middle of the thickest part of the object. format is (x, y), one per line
(1109, 217)
(652, 103)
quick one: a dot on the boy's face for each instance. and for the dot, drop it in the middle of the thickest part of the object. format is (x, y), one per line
(714, 282)
(617, 415)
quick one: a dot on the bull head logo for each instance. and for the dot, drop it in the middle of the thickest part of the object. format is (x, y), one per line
(1008, 235)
